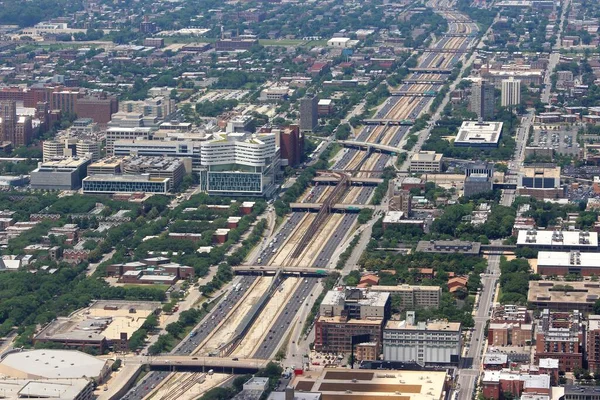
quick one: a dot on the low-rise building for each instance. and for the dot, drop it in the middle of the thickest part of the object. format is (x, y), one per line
(560, 336)
(449, 247)
(63, 174)
(495, 383)
(558, 240)
(413, 296)
(426, 161)
(427, 343)
(541, 182)
(478, 134)
(109, 184)
(568, 262)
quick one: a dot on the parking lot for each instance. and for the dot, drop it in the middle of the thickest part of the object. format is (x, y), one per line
(562, 141)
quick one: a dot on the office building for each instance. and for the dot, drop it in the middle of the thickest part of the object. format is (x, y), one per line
(477, 183)
(541, 182)
(164, 148)
(478, 134)
(115, 133)
(240, 164)
(449, 247)
(109, 184)
(558, 240)
(568, 296)
(334, 334)
(511, 92)
(560, 336)
(400, 200)
(482, 100)
(355, 303)
(568, 262)
(158, 167)
(426, 161)
(427, 343)
(309, 115)
(63, 174)
(479, 167)
(592, 338)
(413, 297)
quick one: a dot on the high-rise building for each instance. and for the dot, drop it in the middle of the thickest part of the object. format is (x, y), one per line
(99, 108)
(511, 92)
(291, 142)
(482, 100)
(8, 120)
(309, 114)
(560, 335)
(593, 343)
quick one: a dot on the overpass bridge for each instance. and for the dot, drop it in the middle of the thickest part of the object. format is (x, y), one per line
(445, 50)
(498, 248)
(170, 362)
(451, 35)
(387, 121)
(332, 180)
(285, 271)
(369, 146)
(405, 93)
(340, 208)
(432, 70)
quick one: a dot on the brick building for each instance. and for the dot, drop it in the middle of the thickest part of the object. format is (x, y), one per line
(560, 336)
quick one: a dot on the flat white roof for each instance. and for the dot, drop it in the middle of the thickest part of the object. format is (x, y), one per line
(474, 132)
(568, 258)
(557, 238)
(63, 364)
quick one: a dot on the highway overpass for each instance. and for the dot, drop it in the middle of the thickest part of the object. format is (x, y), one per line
(272, 270)
(432, 70)
(369, 146)
(332, 180)
(444, 50)
(171, 362)
(342, 208)
(404, 93)
(386, 121)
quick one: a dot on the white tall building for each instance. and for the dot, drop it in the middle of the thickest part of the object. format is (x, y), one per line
(511, 92)
(240, 163)
(434, 342)
(116, 133)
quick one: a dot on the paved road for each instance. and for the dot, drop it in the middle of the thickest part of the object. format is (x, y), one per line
(272, 340)
(471, 364)
(189, 344)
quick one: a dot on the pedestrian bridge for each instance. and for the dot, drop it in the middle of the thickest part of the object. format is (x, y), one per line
(373, 146)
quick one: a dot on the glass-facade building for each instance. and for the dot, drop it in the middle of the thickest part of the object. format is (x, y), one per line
(125, 184)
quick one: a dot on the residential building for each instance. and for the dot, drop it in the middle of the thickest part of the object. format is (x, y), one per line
(560, 336)
(309, 115)
(559, 296)
(412, 296)
(241, 164)
(399, 199)
(592, 348)
(427, 343)
(355, 303)
(511, 92)
(510, 334)
(325, 107)
(495, 384)
(426, 161)
(8, 120)
(291, 142)
(157, 107)
(482, 100)
(479, 134)
(108, 184)
(63, 174)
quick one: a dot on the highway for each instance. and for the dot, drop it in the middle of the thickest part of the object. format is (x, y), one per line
(189, 344)
(272, 338)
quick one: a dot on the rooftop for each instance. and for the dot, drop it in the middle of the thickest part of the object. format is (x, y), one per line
(478, 133)
(429, 326)
(553, 292)
(53, 364)
(427, 156)
(577, 239)
(568, 258)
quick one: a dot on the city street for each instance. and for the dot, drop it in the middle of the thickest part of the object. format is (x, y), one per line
(470, 365)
